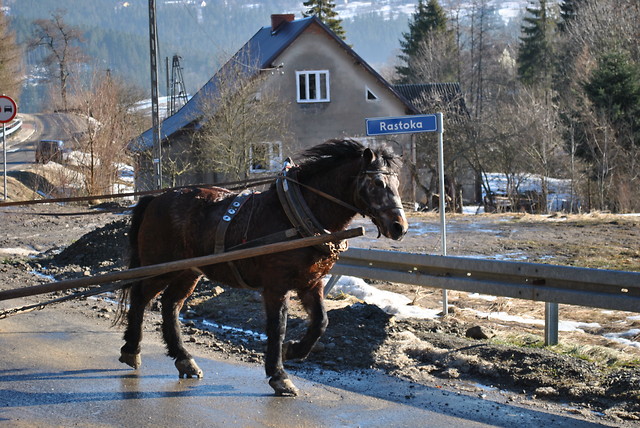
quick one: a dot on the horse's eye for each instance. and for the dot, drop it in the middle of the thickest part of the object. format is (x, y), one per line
(379, 182)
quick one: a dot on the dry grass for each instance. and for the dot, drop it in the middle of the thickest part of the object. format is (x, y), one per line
(16, 191)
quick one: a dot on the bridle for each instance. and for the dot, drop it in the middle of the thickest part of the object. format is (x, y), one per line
(358, 197)
(299, 213)
(326, 196)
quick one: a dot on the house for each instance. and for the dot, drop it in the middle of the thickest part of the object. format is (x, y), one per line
(324, 88)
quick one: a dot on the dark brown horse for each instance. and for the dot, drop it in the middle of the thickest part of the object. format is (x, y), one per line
(336, 180)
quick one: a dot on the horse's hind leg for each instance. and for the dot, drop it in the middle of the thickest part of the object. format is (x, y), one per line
(140, 295)
(276, 311)
(172, 300)
(312, 300)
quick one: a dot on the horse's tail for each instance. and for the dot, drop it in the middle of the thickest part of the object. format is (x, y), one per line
(134, 257)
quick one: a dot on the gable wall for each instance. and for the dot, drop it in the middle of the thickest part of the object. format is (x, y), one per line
(344, 115)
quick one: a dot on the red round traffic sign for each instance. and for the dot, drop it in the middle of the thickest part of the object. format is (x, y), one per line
(8, 109)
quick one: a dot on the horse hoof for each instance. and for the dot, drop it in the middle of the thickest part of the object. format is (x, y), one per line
(188, 368)
(132, 360)
(283, 387)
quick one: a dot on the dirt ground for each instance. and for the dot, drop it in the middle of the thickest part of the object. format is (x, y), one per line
(586, 373)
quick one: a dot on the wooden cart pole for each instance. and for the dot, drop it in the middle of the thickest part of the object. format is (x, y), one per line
(162, 268)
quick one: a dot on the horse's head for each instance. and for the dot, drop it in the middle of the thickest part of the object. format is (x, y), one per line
(377, 193)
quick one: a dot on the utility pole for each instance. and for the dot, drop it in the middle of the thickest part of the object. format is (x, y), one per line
(155, 118)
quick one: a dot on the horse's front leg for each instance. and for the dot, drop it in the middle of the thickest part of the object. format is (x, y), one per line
(313, 302)
(276, 311)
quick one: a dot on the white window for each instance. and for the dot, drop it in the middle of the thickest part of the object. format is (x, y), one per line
(265, 157)
(312, 86)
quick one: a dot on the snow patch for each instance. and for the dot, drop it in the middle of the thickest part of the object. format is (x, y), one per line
(392, 303)
(622, 337)
(482, 297)
(17, 251)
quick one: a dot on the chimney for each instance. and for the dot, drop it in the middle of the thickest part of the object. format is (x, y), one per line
(279, 19)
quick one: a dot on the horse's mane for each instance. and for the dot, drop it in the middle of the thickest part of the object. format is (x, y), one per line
(336, 152)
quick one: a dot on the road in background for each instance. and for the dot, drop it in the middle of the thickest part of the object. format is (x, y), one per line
(36, 127)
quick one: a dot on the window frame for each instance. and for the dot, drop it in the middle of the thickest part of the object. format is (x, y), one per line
(317, 86)
(368, 91)
(274, 157)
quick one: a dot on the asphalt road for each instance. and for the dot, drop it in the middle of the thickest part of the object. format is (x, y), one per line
(36, 127)
(59, 368)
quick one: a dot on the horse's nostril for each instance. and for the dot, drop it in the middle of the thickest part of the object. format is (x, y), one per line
(398, 228)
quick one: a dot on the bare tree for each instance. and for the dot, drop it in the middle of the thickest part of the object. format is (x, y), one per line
(436, 59)
(107, 104)
(241, 119)
(425, 170)
(62, 42)
(541, 139)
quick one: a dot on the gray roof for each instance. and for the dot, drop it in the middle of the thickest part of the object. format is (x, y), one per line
(258, 53)
(429, 95)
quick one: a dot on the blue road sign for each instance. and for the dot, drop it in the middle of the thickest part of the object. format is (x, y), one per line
(402, 124)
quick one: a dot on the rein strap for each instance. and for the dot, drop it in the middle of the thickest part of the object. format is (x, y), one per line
(326, 196)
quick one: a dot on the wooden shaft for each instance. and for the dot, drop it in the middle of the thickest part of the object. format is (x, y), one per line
(163, 268)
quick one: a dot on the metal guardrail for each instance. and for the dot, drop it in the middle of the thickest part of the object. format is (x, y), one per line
(595, 288)
(12, 127)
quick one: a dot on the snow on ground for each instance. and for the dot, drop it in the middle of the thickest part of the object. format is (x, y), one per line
(77, 158)
(507, 10)
(14, 251)
(392, 303)
(482, 297)
(562, 325)
(400, 306)
(622, 337)
(559, 194)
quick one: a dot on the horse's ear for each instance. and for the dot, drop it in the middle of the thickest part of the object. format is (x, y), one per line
(368, 156)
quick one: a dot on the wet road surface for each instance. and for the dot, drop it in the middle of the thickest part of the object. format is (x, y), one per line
(59, 368)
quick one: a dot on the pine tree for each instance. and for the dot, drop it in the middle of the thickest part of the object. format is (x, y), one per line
(614, 88)
(427, 20)
(534, 53)
(324, 10)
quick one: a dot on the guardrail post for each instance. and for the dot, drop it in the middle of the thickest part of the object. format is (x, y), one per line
(550, 323)
(331, 283)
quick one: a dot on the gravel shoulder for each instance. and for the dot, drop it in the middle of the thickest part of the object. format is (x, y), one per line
(587, 374)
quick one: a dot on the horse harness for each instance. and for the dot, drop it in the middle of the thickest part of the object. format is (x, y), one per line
(298, 212)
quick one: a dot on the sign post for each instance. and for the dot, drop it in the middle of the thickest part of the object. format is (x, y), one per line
(411, 125)
(8, 111)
